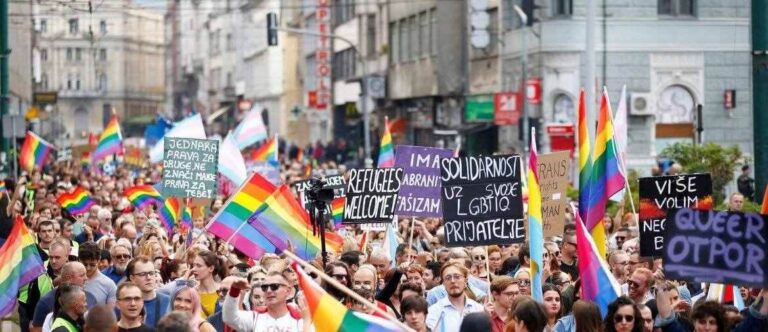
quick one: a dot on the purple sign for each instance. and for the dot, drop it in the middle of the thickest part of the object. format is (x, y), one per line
(420, 190)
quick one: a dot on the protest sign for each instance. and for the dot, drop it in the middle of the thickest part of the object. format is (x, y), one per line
(553, 181)
(372, 194)
(335, 183)
(482, 200)
(716, 246)
(189, 167)
(661, 194)
(265, 169)
(420, 192)
(378, 227)
(135, 156)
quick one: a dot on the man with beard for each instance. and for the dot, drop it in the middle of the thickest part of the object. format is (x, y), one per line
(276, 316)
(141, 271)
(121, 255)
(448, 312)
(131, 305)
(72, 307)
(45, 234)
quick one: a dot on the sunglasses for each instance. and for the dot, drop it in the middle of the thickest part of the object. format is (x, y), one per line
(272, 287)
(122, 257)
(623, 318)
(340, 276)
(479, 258)
(524, 283)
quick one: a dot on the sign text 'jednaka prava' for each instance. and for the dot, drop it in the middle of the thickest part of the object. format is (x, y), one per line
(189, 167)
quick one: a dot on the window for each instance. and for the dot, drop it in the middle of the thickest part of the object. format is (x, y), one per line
(43, 25)
(103, 54)
(344, 64)
(103, 82)
(433, 31)
(424, 34)
(73, 26)
(230, 44)
(413, 35)
(69, 54)
(394, 42)
(103, 27)
(44, 54)
(77, 82)
(403, 31)
(344, 10)
(677, 7)
(564, 109)
(370, 35)
(229, 79)
(44, 81)
(562, 8)
(69, 81)
(78, 54)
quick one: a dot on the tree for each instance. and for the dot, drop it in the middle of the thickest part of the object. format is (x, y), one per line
(721, 162)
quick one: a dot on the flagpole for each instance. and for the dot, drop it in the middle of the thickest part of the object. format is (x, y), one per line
(346, 290)
(620, 158)
(410, 238)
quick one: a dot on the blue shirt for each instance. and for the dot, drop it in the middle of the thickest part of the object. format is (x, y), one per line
(438, 292)
(111, 273)
(447, 317)
(45, 306)
(155, 309)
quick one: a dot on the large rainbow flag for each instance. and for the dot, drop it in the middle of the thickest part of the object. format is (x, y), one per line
(281, 219)
(266, 152)
(169, 213)
(606, 178)
(535, 222)
(386, 150)
(329, 315)
(585, 156)
(76, 202)
(143, 195)
(34, 152)
(231, 222)
(337, 211)
(20, 263)
(110, 142)
(597, 283)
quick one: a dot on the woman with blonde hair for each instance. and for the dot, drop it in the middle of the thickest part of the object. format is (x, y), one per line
(186, 299)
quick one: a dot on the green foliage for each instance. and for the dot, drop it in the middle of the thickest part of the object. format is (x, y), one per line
(749, 206)
(719, 161)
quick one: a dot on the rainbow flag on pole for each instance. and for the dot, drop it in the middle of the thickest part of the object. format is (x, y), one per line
(535, 220)
(34, 153)
(143, 195)
(585, 156)
(20, 263)
(386, 150)
(267, 152)
(110, 142)
(597, 282)
(169, 213)
(77, 202)
(329, 315)
(281, 219)
(606, 178)
(3, 189)
(231, 222)
(337, 211)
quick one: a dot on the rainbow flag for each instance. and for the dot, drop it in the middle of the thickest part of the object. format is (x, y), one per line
(85, 159)
(535, 222)
(169, 213)
(300, 155)
(251, 129)
(606, 178)
(231, 222)
(266, 152)
(764, 207)
(281, 219)
(77, 202)
(20, 263)
(329, 315)
(143, 195)
(186, 216)
(585, 156)
(386, 150)
(110, 142)
(363, 242)
(34, 153)
(597, 282)
(337, 211)
(3, 189)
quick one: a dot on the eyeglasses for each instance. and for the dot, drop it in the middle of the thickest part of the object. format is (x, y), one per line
(340, 276)
(145, 274)
(121, 257)
(457, 277)
(524, 283)
(623, 318)
(131, 299)
(480, 258)
(272, 287)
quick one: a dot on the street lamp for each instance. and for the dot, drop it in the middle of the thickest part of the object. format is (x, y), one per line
(524, 76)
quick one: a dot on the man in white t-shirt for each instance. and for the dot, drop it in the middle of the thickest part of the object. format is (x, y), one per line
(276, 316)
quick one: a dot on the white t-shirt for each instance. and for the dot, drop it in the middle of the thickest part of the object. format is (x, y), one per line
(265, 323)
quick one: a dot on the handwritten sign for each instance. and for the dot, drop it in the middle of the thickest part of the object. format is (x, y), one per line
(336, 183)
(716, 246)
(661, 194)
(553, 180)
(372, 194)
(189, 167)
(482, 200)
(420, 192)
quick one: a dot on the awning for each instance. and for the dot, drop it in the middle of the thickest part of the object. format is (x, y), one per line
(216, 114)
(140, 120)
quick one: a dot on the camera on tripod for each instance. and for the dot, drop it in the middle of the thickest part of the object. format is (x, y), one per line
(317, 193)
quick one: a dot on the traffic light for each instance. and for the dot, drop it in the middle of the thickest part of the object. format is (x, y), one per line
(271, 29)
(528, 7)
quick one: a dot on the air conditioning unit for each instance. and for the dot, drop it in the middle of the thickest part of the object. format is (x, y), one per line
(640, 103)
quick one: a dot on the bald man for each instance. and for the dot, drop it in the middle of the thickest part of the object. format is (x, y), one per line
(72, 273)
(100, 319)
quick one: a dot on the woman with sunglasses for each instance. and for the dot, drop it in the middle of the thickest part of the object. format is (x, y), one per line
(186, 299)
(623, 316)
(523, 277)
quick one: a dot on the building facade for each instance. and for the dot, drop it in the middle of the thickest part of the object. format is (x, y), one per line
(100, 63)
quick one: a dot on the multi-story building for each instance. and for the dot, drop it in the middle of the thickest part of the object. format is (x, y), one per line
(20, 59)
(101, 63)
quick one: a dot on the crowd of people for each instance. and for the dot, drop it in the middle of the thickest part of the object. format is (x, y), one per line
(116, 267)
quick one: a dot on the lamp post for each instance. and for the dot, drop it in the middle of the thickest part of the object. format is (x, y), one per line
(524, 76)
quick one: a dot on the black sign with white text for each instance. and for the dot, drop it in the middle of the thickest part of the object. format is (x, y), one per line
(372, 194)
